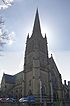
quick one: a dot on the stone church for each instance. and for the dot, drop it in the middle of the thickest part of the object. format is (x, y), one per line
(40, 76)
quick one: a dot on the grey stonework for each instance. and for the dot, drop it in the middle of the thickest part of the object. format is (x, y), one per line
(40, 70)
(40, 76)
(36, 61)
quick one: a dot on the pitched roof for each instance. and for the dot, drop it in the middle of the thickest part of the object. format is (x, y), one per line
(9, 78)
(53, 65)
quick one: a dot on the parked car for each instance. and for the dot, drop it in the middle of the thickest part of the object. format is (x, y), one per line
(3, 99)
(11, 100)
(31, 99)
(23, 99)
(0, 99)
(27, 99)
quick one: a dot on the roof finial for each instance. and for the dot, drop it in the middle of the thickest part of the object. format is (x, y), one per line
(28, 36)
(51, 55)
(46, 38)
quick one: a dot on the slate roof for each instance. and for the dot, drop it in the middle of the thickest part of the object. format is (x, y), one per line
(9, 78)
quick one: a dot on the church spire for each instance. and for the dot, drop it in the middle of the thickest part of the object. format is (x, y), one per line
(36, 28)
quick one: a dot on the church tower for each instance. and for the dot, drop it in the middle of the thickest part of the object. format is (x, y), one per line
(36, 81)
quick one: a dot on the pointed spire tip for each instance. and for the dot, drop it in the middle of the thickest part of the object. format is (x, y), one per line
(37, 28)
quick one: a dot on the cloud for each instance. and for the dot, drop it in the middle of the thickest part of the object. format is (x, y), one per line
(3, 6)
(7, 38)
(18, 0)
(11, 38)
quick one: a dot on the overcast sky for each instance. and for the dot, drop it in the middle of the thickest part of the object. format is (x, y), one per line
(55, 22)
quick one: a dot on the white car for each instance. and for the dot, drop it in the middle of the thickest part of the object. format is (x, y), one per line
(23, 99)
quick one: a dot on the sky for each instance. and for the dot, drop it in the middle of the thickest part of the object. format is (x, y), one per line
(55, 22)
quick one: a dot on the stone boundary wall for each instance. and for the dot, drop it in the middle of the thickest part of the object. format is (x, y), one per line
(10, 104)
(20, 104)
(17, 104)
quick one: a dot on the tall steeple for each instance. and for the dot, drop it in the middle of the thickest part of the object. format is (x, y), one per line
(36, 60)
(36, 28)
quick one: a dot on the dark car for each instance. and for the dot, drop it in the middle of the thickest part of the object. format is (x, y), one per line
(11, 100)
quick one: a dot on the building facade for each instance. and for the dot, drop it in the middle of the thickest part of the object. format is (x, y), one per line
(40, 76)
(12, 85)
(40, 71)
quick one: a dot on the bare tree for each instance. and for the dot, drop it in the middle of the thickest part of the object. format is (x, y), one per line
(6, 2)
(5, 36)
